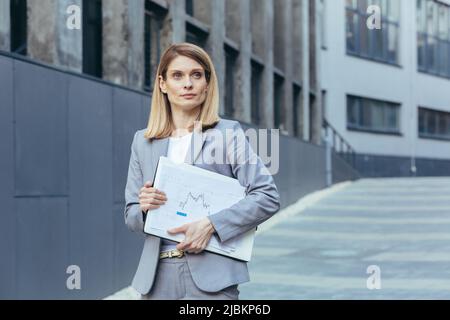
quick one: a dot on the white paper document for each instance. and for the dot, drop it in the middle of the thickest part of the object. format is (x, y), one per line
(194, 193)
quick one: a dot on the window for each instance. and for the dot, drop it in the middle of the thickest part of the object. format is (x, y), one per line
(312, 106)
(230, 72)
(295, 107)
(195, 35)
(256, 92)
(18, 12)
(376, 44)
(92, 37)
(373, 115)
(152, 40)
(190, 7)
(278, 102)
(322, 20)
(433, 37)
(434, 124)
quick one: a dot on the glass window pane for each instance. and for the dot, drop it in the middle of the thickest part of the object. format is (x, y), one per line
(393, 118)
(431, 123)
(442, 124)
(448, 58)
(421, 50)
(442, 58)
(378, 48)
(448, 125)
(366, 115)
(393, 10)
(377, 115)
(352, 111)
(421, 15)
(443, 22)
(363, 36)
(432, 17)
(352, 3)
(448, 29)
(431, 54)
(352, 22)
(362, 6)
(421, 121)
(392, 42)
(383, 6)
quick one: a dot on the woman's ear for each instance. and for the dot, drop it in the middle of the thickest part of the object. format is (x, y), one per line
(162, 85)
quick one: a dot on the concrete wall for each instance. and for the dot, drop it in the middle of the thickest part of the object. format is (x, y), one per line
(275, 33)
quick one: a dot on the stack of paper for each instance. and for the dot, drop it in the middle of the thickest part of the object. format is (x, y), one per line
(192, 194)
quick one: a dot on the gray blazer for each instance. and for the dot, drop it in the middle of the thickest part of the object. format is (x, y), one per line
(211, 272)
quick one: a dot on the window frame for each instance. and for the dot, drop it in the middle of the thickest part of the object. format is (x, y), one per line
(18, 27)
(424, 36)
(387, 23)
(365, 110)
(153, 17)
(423, 116)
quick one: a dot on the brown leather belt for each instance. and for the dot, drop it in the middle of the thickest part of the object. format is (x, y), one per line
(172, 254)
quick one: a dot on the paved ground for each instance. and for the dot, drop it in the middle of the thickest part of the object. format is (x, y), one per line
(321, 247)
(401, 225)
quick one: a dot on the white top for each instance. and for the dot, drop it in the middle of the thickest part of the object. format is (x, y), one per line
(178, 147)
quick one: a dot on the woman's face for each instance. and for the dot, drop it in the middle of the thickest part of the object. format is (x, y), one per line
(185, 85)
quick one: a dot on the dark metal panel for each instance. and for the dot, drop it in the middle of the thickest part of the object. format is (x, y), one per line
(341, 170)
(42, 257)
(145, 111)
(41, 135)
(7, 216)
(127, 250)
(396, 166)
(432, 167)
(90, 169)
(126, 121)
(311, 168)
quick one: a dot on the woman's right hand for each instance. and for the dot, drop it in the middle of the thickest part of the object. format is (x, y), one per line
(151, 198)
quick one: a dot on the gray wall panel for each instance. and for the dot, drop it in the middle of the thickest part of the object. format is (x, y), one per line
(127, 250)
(126, 120)
(392, 166)
(145, 111)
(91, 191)
(8, 219)
(42, 242)
(342, 171)
(41, 135)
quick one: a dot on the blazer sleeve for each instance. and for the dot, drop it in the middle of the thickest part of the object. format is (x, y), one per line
(134, 217)
(262, 199)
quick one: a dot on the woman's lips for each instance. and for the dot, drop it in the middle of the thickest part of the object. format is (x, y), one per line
(188, 96)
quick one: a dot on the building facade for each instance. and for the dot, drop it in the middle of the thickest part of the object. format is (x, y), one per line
(387, 91)
(264, 51)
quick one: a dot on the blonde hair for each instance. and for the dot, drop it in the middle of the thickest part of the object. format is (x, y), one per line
(160, 124)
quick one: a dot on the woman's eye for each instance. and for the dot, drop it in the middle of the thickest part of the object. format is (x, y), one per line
(177, 75)
(198, 75)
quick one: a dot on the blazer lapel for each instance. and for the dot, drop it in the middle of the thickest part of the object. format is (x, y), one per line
(160, 147)
(198, 139)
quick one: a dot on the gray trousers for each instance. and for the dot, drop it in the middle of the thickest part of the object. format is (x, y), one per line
(173, 281)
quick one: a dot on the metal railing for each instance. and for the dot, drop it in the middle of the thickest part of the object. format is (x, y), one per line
(338, 144)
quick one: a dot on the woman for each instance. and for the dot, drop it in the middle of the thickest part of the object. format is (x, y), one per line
(184, 113)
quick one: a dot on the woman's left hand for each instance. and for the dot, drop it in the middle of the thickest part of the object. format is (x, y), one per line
(197, 235)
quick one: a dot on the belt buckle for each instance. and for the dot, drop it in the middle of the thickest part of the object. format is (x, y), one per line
(181, 254)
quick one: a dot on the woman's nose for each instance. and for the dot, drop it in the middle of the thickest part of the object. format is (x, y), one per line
(188, 83)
